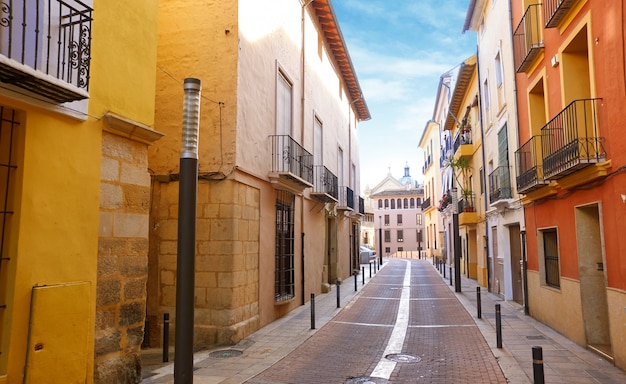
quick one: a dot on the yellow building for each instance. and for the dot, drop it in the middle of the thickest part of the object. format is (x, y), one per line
(76, 108)
(278, 201)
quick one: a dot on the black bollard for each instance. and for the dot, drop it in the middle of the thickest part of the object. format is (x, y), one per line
(478, 303)
(363, 275)
(312, 311)
(443, 266)
(166, 337)
(370, 270)
(498, 327)
(355, 281)
(338, 295)
(450, 274)
(538, 365)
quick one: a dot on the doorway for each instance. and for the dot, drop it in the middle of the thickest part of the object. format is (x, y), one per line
(592, 279)
(515, 243)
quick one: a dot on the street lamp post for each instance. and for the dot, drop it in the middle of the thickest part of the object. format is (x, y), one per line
(186, 258)
(457, 241)
(380, 241)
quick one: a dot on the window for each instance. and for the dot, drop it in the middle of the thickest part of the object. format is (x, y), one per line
(318, 139)
(418, 219)
(387, 250)
(9, 124)
(400, 235)
(499, 81)
(550, 256)
(393, 204)
(284, 280)
(399, 203)
(284, 105)
(399, 220)
(406, 203)
(386, 204)
(482, 181)
(400, 249)
(412, 202)
(387, 236)
(486, 99)
(380, 204)
(386, 219)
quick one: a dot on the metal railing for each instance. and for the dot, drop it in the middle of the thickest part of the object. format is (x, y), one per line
(52, 37)
(528, 162)
(466, 203)
(528, 38)
(346, 197)
(426, 204)
(555, 10)
(325, 181)
(463, 137)
(361, 205)
(289, 156)
(570, 140)
(499, 184)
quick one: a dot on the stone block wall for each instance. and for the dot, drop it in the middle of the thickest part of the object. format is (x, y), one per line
(227, 261)
(122, 259)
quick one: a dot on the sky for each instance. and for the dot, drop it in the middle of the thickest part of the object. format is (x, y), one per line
(399, 50)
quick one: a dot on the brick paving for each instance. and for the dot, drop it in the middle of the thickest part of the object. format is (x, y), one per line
(441, 335)
(448, 342)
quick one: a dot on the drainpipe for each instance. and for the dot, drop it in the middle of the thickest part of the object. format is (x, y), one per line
(482, 147)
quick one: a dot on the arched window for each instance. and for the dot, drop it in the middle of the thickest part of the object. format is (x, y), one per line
(380, 203)
(399, 203)
(393, 204)
(406, 203)
(412, 202)
(386, 204)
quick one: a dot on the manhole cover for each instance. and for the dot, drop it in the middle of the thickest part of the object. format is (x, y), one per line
(225, 353)
(367, 380)
(535, 337)
(402, 358)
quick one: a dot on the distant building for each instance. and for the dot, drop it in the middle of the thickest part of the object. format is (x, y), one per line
(397, 214)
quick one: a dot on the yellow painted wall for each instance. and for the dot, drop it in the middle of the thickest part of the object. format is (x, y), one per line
(55, 226)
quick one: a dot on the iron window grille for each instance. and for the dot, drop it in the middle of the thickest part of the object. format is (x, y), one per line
(284, 283)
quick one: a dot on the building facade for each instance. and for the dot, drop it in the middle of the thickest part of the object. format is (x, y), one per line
(398, 218)
(505, 214)
(570, 76)
(76, 122)
(278, 194)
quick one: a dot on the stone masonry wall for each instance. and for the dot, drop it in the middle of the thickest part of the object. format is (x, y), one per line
(227, 260)
(122, 260)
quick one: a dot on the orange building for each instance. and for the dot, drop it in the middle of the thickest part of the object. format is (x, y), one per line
(569, 59)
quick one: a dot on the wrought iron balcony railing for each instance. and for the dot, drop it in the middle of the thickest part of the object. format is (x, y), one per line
(528, 162)
(325, 184)
(499, 184)
(466, 203)
(570, 141)
(288, 157)
(45, 47)
(346, 198)
(463, 137)
(555, 10)
(426, 204)
(361, 205)
(528, 38)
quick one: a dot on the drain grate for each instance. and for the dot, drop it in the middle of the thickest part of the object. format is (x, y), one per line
(225, 353)
(402, 358)
(535, 337)
(367, 380)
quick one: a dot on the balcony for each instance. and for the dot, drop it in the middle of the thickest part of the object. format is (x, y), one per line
(346, 199)
(361, 205)
(555, 10)
(426, 204)
(528, 160)
(570, 140)
(292, 165)
(45, 47)
(325, 187)
(528, 38)
(463, 144)
(499, 185)
(467, 210)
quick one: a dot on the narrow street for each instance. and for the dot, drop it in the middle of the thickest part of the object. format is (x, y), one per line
(405, 326)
